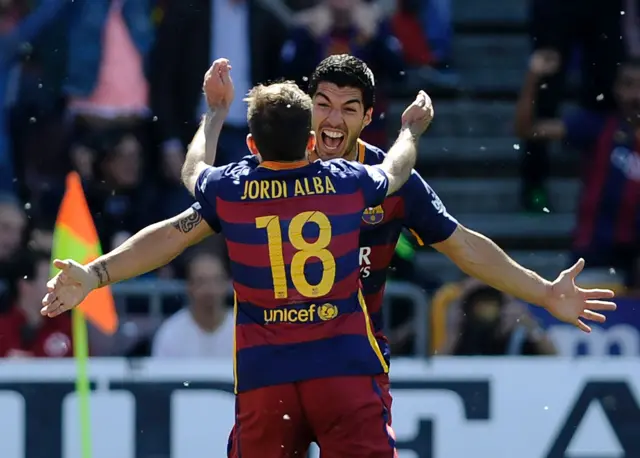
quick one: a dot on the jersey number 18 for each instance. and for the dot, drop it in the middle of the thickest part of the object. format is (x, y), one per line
(304, 251)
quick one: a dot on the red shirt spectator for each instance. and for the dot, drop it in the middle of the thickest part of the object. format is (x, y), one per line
(23, 331)
(50, 338)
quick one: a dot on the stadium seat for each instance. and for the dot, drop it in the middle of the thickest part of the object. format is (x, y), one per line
(439, 305)
(602, 278)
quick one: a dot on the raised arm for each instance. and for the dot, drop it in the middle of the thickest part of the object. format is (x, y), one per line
(401, 158)
(149, 249)
(542, 63)
(218, 89)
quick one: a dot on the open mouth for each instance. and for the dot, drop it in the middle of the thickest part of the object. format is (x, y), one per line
(332, 139)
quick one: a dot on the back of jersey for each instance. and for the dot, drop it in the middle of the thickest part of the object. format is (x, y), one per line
(292, 233)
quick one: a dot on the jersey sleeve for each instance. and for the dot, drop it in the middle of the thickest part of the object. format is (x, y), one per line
(373, 182)
(426, 216)
(582, 128)
(205, 193)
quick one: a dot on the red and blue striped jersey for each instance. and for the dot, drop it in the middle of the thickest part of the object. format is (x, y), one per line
(292, 233)
(415, 207)
(609, 211)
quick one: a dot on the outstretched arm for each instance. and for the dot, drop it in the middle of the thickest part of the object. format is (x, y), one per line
(152, 247)
(480, 257)
(399, 162)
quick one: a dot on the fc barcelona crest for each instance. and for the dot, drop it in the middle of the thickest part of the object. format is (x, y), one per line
(373, 215)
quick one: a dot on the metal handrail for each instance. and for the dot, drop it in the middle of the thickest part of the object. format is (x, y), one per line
(156, 290)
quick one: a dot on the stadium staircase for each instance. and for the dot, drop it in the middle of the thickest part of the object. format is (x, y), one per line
(471, 156)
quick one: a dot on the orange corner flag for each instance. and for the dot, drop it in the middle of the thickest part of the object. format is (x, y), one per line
(75, 237)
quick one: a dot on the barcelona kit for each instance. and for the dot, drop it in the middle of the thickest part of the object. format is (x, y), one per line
(307, 362)
(608, 225)
(414, 207)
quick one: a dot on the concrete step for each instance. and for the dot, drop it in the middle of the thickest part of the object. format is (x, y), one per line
(482, 157)
(489, 11)
(546, 263)
(520, 226)
(463, 118)
(481, 149)
(491, 62)
(500, 195)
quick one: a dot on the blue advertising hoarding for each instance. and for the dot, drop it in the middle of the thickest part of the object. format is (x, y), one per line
(620, 335)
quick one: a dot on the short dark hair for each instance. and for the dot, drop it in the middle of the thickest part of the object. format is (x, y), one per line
(481, 293)
(279, 117)
(345, 70)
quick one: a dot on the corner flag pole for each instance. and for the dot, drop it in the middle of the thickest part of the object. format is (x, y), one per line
(75, 237)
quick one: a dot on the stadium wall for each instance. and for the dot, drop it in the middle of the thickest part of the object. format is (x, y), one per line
(443, 408)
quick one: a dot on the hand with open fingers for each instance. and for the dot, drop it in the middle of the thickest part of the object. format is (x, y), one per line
(419, 114)
(572, 304)
(218, 85)
(68, 288)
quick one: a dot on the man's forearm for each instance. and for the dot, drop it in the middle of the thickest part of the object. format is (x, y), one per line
(401, 159)
(203, 147)
(479, 257)
(152, 247)
(525, 107)
(149, 249)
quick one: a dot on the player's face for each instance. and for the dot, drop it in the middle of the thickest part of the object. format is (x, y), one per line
(627, 91)
(338, 119)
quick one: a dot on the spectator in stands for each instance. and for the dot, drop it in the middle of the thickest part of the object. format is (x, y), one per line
(435, 16)
(631, 27)
(346, 27)
(121, 201)
(192, 35)
(608, 221)
(15, 30)
(41, 238)
(24, 332)
(593, 28)
(489, 324)
(13, 222)
(402, 312)
(109, 43)
(425, 32)
(205, 327)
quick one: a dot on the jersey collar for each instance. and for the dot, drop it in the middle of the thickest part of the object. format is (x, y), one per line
(362, 150)
(273, 165)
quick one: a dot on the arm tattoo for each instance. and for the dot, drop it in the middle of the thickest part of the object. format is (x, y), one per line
(100, 270)
(188, 223)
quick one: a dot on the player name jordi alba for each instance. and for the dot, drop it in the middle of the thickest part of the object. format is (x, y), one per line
(280, 189)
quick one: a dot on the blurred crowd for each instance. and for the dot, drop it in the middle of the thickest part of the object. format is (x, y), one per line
(112, 90)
